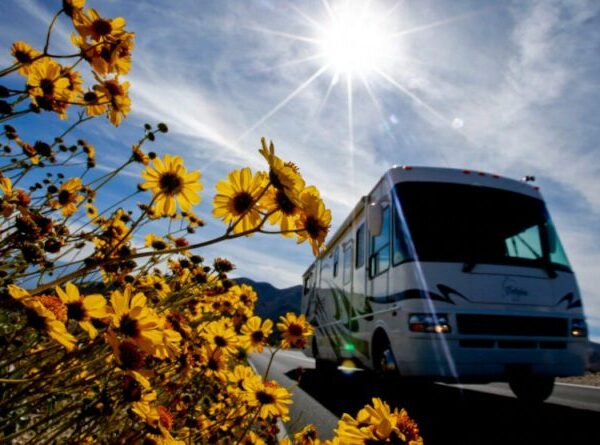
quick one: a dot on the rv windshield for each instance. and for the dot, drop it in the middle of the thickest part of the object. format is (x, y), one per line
(479, 225)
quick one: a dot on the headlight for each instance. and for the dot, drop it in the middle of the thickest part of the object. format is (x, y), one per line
(429, 323)
(578, 327)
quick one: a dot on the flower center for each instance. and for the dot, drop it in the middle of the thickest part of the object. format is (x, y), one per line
(129, 326)
(64, 197)
(47, 87)
(90, 97)
(242, 202)
(170, 183)
(264, 398)
(285, 204)
(313, 227)
(257, 336)
(75, 311)
(102, 27)
(131, 356)
(220, 341)
(23, 57)
(295, 330)
(275, 180)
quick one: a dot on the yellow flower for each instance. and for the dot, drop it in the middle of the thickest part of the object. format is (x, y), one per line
(132, 318)
(377, 423)
(255, 335)
(82, 308)
(222, 336)
(73, 7)
(41, 316)
(6, 185)
(282, 210)
(171, 183)
(270, 398)
(75, 85)
(91, 211)
(155, 284)
(307, 436)
(47, 87)
(25, 55)
(156, 242)
(91, 24)
(314, 220)
(282, 175)
(68, 198)
(237, 199)
(239, 375)
(294, 331)
(119, 103)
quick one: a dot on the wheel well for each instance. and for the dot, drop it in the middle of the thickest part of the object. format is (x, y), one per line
(379, 336)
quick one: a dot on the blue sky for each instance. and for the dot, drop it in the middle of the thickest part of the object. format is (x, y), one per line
(509, 88)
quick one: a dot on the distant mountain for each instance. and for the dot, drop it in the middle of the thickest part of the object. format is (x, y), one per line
(273, 302)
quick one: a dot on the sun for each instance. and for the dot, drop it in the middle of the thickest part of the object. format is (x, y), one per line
(355, 40)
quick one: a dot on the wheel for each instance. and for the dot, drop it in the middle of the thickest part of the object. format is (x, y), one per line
(384, 363)
(532, 389)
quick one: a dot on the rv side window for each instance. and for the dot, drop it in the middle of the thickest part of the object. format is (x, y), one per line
(336, 260)
(360, 246)
(347, 273)
(380, 245)
(401, 251)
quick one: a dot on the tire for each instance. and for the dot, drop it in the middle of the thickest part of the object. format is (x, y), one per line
(384, 363)
(532, 389)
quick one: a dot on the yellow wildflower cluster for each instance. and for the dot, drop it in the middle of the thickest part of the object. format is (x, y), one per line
(112, 333)
(103, 43)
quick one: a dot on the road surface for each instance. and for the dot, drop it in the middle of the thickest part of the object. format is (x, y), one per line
(447, 414)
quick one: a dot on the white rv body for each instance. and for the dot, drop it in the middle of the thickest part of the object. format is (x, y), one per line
(507, 303)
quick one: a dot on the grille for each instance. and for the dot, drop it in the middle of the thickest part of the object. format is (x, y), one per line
(474, 324)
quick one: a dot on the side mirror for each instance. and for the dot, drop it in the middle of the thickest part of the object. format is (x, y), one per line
(374, 218)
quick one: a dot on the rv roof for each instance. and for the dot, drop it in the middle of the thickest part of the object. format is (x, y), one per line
(399, 174)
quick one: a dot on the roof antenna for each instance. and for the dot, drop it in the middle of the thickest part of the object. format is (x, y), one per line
(528, 178)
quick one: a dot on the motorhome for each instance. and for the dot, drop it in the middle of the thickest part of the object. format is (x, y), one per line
(451, 275)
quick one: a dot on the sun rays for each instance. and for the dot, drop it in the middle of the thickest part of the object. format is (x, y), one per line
(359, 44)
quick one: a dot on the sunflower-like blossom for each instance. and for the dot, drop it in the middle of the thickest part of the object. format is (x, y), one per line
(255, 334)
(99, 29)
(116, 95)
(44, 314)
(295, 330)
(376, 423)
(131, 317)
(25, 55)
(314, 221)
(236, 201)
(48, 88)
(268, 397)
(221, 335)
(284, 176)
(82, 308)
(68, 197)
(171, 184)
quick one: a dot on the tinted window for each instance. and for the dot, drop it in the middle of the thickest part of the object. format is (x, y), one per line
(400, 238)
(473, 224)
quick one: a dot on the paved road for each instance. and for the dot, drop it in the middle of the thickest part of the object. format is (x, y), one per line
(447, 414)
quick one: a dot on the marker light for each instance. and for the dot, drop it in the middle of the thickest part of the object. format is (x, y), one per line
(429, 323)
(349, 347)
(578, 327)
